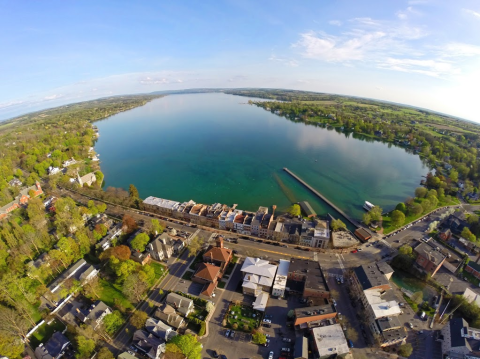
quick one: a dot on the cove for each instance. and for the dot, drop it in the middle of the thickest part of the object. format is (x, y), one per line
(216, 148)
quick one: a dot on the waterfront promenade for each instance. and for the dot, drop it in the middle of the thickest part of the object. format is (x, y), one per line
(322, 197)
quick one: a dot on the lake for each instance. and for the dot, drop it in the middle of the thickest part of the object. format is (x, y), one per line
(216, 148)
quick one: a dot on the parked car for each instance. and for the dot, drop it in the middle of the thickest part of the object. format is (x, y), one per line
(410, 325)
(423, 315)
(354, 251)
(270, 355)
(214, 354)
(350, 343)
(267, 321)
(287, 340)
(232, 333)
(227, 333)
(286, 350)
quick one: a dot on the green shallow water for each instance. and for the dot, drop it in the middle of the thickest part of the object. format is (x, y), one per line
(216, 148)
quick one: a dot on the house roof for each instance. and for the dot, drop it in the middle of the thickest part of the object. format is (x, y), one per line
(208, 289)
(218, 254)
(146, 342)
(207, 271)
(363, 234)
(456, 329)
(259, 267)
(261, 301)
(179, 301)
(52, 347)
(97, 309)
(159, 329)
(167, 314)
(428, 252)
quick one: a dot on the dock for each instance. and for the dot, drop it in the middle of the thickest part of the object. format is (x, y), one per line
(322, 197)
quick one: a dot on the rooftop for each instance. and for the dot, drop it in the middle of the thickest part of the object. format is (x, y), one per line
(218, 254)
(370, 276)
(311, 271)
(207, 271)
(160, 202)
(389, 323)
(307, 209)
(317, 310)
(344, 239)
(330, 340)
(430, 253)
(382, 303)
(259, 266)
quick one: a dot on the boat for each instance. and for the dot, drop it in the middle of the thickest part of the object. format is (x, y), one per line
(368, 206)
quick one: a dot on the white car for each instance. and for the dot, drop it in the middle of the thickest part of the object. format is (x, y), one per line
(270, 355)
(267, 321)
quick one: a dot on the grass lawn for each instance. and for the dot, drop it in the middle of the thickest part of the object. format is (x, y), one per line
(158, 268)
(413, 305)
(221, 284)
(470, 278)
(387, 227)
(111, 292)
(188, 275)
(198, 312)
(44, 332)
(244, 318)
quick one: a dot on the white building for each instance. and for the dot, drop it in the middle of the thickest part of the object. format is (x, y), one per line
(161, 205)
(280, 283)
(330, 341)
(258, 276)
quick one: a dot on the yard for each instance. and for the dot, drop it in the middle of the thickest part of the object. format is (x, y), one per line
(45, 331)
(111, 294)
(221, 284)
(243, 318)
(159, 269)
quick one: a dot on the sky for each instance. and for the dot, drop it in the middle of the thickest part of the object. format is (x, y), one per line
(423, 53)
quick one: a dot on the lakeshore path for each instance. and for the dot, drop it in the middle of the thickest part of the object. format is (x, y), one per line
(322, 197)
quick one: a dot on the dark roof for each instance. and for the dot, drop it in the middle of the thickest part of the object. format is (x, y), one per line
(474, 265)
(311, 271)
(431, 254)
(307, 208)
(317, 310)
(388, 323)
(456, 329)
(53, 346)
(370, 276)
(394, 335)
(301, 348)
(384, 267)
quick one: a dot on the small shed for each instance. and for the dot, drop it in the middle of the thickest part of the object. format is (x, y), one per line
(363, 234)
(307, 209)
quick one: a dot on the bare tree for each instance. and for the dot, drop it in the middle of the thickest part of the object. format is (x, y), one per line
(11, 322)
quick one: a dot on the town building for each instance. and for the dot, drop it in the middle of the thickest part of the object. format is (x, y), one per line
(456, 222)
(428, 259)
(15, 182)
(363, 234)
(208, 275)
(218, 255)
(87, 179)
(344, 239)
(310, 317)
(160, 205)
(390, 331)
(159, 329)
(181, 304)
(258, 276)
(139, 257)
(22, 199)
(315, 234)
(161, 248)
(94, 315)
(257, 220)
(167, 314)
(457, 339)
(261, 302)
(473, 268)
(306, 278)
(329, 341)
(148, 344)
(54, 348)
(280, 283)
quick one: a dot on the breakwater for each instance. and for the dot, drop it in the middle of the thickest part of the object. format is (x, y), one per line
(322, 197)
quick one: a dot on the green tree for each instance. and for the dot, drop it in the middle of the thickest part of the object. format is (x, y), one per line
(397, 218)
(187, 344)
(338, 225)
(68, 218)
(195, 245)
(376, 214)
(156, 227)
(122, 269)
(134, 287)
(11, 346)
(295, 210)
(367, 219)
(133, 192)
(468, 235)
(416, 209)
(405, 350)
(85, 347)
(453, 175)
(417, 297)
(102, 207)
(259, 338)
(140, 241)
(401, 207)
(138, 319)
(420, 192)
(405, 249)
(209, 306)
(104, 353)
(112, 322)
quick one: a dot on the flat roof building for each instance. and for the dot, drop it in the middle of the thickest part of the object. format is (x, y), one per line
(307, 209)
(330, 341)
(280, 283)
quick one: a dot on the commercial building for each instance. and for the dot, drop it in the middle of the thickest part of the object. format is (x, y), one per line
(457, 339)
(344, 239)
(258, 276)
(315, 234)
(280, 283)
(310, 317)
(306, 278)
(329, 341)
(428, 259)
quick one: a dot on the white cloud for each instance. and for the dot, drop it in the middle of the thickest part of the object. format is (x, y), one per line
(407, 13)
(472, 12)
(53, 97)
(458, 49)
(288, 62)
(10, 104)
(335, 22)
(434, 68)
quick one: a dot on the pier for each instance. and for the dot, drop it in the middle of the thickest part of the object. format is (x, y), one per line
(322, 197)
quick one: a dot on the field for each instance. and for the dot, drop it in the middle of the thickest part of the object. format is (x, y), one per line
(159, 269)
(111, 294)
(243, 317)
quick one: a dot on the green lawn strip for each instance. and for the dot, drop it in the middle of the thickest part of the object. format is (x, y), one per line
(110, 292)
(221, 284)
(413, 305)
(470, 278)
(244, 316)
(44, 332)
(188, 275)
(159, 269)
(198, 259)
